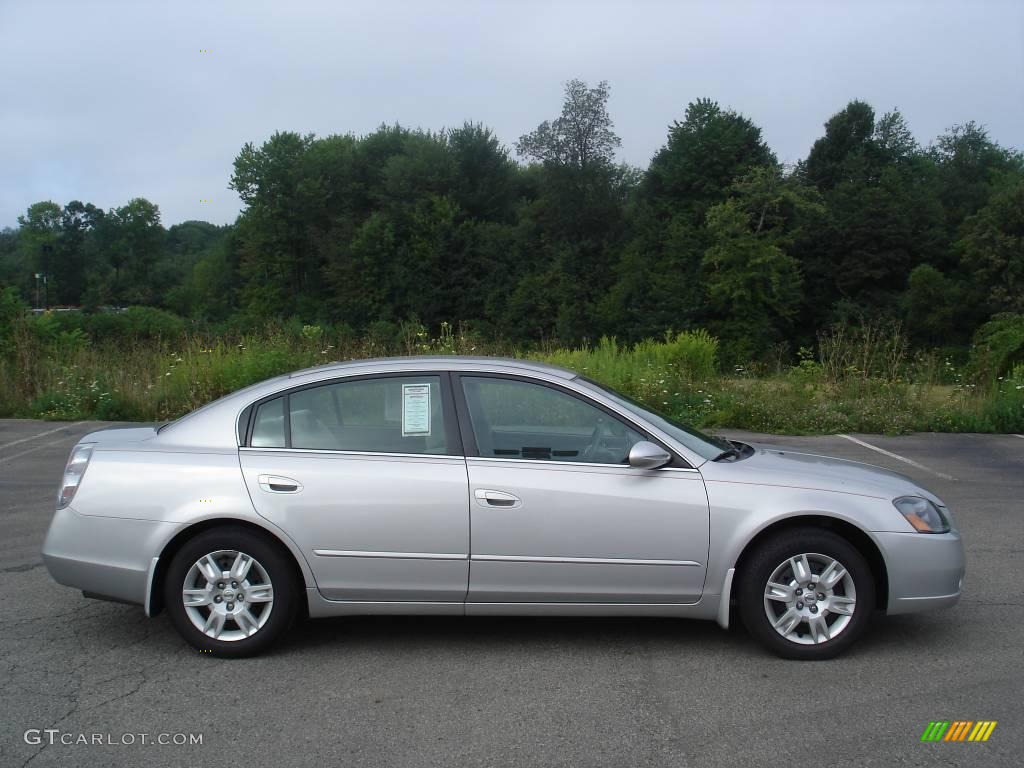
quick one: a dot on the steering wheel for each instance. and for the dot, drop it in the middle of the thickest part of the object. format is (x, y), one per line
(601, 431)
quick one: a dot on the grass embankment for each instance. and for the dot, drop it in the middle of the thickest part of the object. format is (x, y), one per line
(859, 381)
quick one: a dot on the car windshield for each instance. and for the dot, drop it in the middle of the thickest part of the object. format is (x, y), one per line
(707, 446)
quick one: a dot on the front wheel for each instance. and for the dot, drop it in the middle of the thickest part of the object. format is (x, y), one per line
(230, 592)
(806, 594)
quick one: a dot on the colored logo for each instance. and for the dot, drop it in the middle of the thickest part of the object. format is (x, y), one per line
(958, 730)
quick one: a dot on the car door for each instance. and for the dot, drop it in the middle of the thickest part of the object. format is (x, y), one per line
(557, 514)
(367, 475)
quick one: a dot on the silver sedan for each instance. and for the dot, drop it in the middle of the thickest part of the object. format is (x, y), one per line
(482, 486)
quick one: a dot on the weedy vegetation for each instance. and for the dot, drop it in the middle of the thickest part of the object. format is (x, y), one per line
(857, 378)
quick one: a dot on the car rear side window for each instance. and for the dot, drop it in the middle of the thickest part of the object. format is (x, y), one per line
(268, 428)
(392, 414)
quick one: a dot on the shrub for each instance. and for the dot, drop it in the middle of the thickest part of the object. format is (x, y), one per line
(865, 350)
(12, 312)
(998, 346)
(134, 323)
(79, 397)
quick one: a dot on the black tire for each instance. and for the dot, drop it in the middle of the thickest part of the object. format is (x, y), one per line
(772, 553)
(273, 560)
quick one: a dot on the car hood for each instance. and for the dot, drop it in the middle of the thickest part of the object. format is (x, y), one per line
(777, 465)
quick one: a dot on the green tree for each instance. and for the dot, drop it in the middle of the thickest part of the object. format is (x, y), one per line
(196, 270)
(133, 239)
(485, 183)
(278, 262)
(11, 269)
(360, 274)
(992, 248)
(704, 153)
(883, 215)
(39, 231)
(932, 308)
(74, 254)
(575, 224)
(658, 281)
(969, 164)
(753, 287)
(581, 136)
(846, 142)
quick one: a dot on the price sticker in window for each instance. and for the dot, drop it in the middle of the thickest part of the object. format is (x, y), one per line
(415, 410)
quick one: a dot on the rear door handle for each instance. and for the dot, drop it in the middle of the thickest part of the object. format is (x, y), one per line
(488, 498)
(277, 484)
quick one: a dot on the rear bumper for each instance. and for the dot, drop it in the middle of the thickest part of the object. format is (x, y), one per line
(109, 557)
(926, 571)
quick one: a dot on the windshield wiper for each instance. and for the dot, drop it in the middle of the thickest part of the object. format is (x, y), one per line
(727, 453)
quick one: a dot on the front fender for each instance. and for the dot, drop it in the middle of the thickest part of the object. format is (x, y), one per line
(740, 512)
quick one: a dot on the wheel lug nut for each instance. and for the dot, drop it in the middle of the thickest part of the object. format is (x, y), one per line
(240, 597)
(799, 591)
(218, 599)
(814, 609)
(234, 585)
(821, 595)
(220, 585)
(799, 606)
(231, 606)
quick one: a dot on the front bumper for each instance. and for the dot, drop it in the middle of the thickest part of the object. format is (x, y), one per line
(109, 557)
(925, 571)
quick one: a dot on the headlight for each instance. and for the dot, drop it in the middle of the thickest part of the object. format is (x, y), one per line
(73, 473)
(922, 514)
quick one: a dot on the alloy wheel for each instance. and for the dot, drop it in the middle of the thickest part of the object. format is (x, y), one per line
(810, 598)
(228, 595)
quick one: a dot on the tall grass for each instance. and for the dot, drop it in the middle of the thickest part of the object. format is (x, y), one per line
(691, 356)
(858, 379)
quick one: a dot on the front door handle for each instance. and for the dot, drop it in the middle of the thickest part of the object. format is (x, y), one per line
(277, 484)
(488, 498)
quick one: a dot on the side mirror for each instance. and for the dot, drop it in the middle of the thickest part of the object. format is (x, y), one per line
(646, 455)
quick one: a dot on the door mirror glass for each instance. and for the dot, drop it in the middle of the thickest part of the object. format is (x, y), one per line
(647, 455)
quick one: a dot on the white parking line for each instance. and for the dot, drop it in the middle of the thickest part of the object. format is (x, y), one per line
(50, 444)
(896, 456)
(41, 434)
(1020, 436)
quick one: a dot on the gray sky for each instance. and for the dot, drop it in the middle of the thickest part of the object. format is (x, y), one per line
(104, 101)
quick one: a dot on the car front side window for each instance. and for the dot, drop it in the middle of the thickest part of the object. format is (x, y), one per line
(515, 419)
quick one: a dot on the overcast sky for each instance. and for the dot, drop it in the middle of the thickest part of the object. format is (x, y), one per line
(105, 101)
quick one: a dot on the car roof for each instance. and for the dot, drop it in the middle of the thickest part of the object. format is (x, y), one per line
(439, 362)
(214, 424)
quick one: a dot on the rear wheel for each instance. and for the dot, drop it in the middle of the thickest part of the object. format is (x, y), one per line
(806, 594)
(230, 592)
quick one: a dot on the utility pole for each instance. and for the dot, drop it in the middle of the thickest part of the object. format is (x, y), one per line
(47, 264)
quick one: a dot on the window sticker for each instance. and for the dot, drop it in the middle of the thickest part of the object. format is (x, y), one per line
(415, 409)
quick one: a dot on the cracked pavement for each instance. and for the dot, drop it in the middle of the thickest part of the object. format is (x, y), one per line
(409, 691)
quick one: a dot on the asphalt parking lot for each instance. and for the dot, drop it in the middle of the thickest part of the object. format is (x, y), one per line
(538, 692)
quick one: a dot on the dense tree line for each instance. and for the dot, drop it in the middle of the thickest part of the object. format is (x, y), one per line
(408, 224)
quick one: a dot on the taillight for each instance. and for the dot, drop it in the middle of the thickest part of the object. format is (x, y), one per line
(73, 473)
